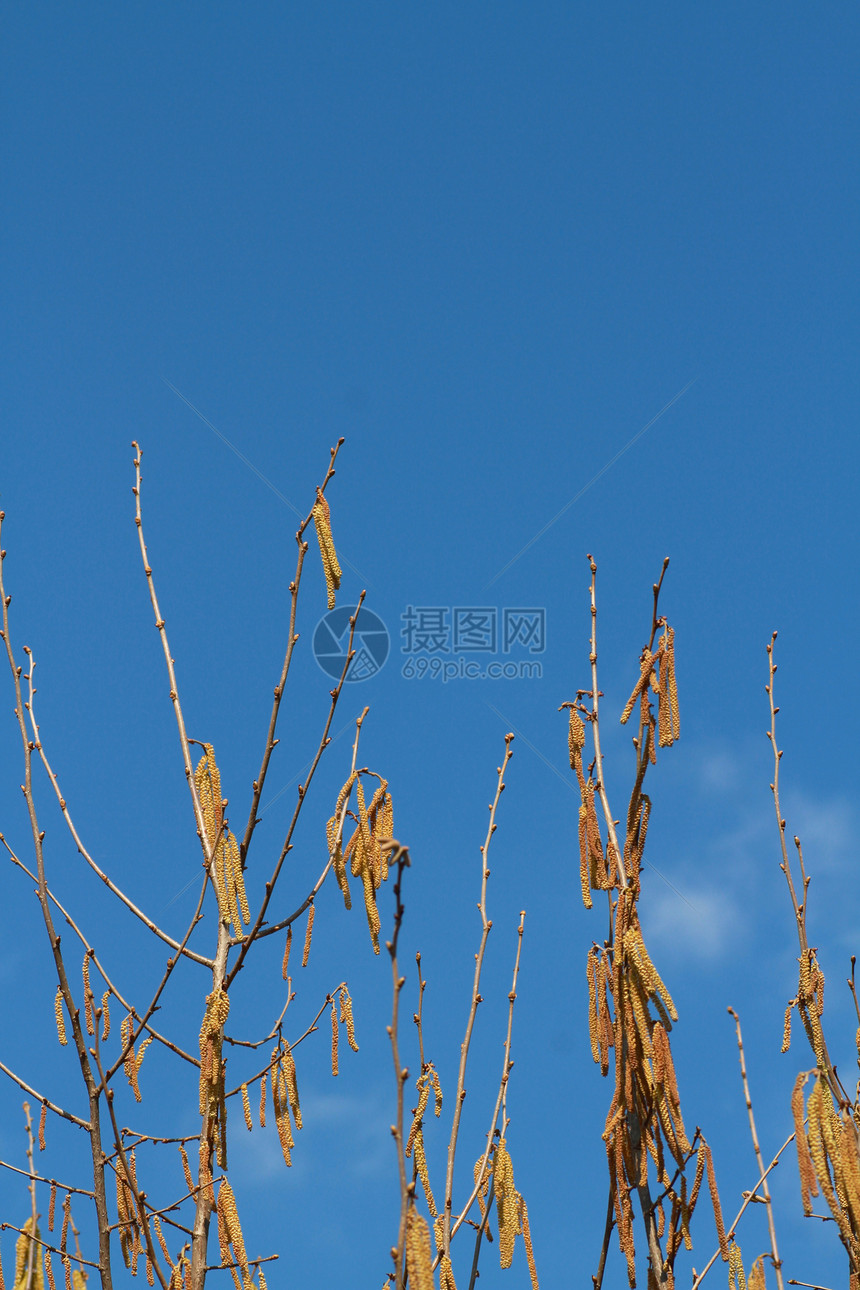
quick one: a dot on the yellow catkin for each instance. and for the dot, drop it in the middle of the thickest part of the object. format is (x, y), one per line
(161, 1241)
(646, 668)
(527, 1239)
(262, 1277)
(288, 1066)
(805, 1168)
(575, 737)
(58, 1013)
(347, 1018)
(42, 1118)
(88, 997)
(49, 1271)
(421, 1166)
(419, 1258)
(285, 966)
(217, 1011)
(238, 878)
(280, 1102)
(334, 1037)
(446, 1274)
(246, 1107)
(786, 1030)
(671, 684)
(715, 1202)
(423, 1098)
(590, 970)
(437, 1089)
(228, 1215)
(263, 1101)
(584, 872)
(105, 1016)
(331, 569)
(26, 1250)
(308, 934)
(370, 907)
(506, 1203)
(757, 1279)
(736, 1267)
(185, 1167)
(335, 850)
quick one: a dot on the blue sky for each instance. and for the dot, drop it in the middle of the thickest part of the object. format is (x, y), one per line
(486, 244)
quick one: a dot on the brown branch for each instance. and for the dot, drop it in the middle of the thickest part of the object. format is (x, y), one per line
(486, 926)
(90, 1084)
(58, 1110)
(774, 1252)
(251, 936)
(111, 886)
(293, 637)
(399, 856)
(51, 1182)
(10, 1227)
(595, 727)
(507, 1067)
(749, 1196)
(162, 1039)
(287, 922)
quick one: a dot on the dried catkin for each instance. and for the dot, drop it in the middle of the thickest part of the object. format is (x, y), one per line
(58, 1013)
(49, 1271)
(308, 933)
(331, 569)
(419, 1258)
(106, 1016)
(52, 1206)
(246, 1107)
(42, 1118)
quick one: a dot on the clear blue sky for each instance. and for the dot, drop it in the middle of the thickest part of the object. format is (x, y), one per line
(487, 244)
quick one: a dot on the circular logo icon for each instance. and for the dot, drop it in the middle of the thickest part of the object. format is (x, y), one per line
(370, 644)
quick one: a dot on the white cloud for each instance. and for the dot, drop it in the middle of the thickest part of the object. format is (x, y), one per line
(705, 928)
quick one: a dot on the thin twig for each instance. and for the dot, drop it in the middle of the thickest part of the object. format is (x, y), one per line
(774, 1252)
(399, 856)
(748, 1198)
(486, 926)
(302, 793)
